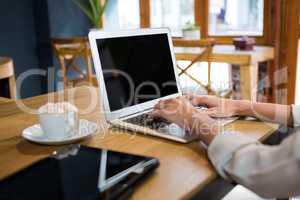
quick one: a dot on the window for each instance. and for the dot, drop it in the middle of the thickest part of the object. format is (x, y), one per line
(236, 17)
(173, 14)
(220, 77)
(122, 14)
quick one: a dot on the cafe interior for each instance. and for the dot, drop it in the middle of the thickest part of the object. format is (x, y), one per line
(230, 49)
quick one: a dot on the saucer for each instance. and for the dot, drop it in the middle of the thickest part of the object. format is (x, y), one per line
(35, 134)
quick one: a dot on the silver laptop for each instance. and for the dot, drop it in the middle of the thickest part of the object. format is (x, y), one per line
(135, 69)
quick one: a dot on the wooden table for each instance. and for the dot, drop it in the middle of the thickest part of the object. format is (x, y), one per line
(247, 60)
(4, 100)
(184, 170)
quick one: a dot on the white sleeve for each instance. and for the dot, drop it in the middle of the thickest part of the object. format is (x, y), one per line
(296, 115)
(270, 171)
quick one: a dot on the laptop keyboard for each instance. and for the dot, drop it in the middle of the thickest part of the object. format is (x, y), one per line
(148, 121)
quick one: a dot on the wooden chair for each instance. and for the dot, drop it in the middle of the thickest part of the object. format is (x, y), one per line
(7, 72)
(68, 50)
(205, 54)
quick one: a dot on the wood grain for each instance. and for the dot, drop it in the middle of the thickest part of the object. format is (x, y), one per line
(289, 47)
(4, 100)
(145, 13)
(184, 169)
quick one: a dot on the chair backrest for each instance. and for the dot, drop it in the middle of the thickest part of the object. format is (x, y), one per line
(7, 72)
(65, 46)
(68, 49)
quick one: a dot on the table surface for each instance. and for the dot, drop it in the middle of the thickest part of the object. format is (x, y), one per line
(228, 54)
(184, 169)
(4, 100)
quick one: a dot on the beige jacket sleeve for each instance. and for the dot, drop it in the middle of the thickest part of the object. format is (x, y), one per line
(270, 171)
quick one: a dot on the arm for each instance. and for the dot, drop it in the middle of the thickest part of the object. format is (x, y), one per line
(281, 114)
(219, 107)
(270, 171)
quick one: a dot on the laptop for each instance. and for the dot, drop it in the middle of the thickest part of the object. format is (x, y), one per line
(135, 69)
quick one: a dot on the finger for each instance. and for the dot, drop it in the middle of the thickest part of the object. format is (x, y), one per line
(194, 101)
(205, 100)
(217, 114)
(190, 95)
(165, 104)
(182, 97)
(202, 99)
(192, 98)
(170, 100)
(156, 114)
(211, 112)
(157, 106)
(187, 96)
(161, 104)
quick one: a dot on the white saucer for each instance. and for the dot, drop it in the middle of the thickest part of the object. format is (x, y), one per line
(35, 134)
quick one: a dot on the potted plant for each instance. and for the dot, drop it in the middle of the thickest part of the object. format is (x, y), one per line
(94, 10)
(191, 31)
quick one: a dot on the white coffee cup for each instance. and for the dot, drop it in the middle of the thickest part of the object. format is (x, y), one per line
(59, 120)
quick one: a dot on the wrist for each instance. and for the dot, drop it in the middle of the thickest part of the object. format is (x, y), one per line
(204, 127)
(190, 119)
(243, 108)
(208, 134)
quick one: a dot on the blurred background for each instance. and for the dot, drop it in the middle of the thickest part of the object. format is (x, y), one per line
(51, 36)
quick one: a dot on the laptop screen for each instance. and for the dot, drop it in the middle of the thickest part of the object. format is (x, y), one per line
(136, 69)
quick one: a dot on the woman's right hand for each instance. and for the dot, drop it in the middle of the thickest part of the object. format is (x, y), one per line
(217, 107)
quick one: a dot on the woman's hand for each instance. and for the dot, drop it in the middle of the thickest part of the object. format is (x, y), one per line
(181, 112)
(217, 107)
